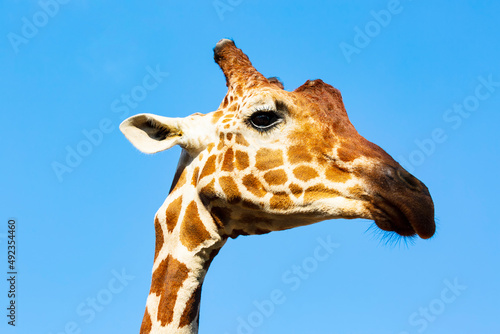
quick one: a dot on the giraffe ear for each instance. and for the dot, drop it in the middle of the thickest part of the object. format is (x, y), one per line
(151, 133)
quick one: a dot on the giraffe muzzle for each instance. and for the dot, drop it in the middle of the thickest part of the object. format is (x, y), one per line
(403, 205)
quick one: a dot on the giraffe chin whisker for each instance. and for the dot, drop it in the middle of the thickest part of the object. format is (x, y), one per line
(390, 238)
(391, 227)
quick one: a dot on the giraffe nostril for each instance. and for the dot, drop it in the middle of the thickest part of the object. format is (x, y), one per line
(410, 180)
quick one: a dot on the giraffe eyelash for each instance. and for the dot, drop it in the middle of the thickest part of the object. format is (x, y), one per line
(264, 121)
(263, 108)
(279, 108)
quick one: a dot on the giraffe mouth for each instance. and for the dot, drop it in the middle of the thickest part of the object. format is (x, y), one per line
(398, 219)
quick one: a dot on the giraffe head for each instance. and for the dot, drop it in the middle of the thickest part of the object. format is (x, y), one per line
(268, 159)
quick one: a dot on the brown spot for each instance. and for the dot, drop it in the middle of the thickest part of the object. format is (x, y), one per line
(238, 91)
(228, 163)
(267, 159)
(280, 201)
(233, 107)
(296, 190)
(209, 167)
(196, 172)
(226, 120)
(225, 102)
(335, 174)
(208, 193)
(305, 173)
(242, 160)
(318, 192)
(193, 232)
(159, 237)
(159, 276)
(241, 140)
(179, 180)
(172, 213)
(254, 185)
(221, 141)
(220, 215)
(357, 192)
(346, 155)
(298, 154)
(227, 126)
(250, 205)
(229, 135)
(167, 280)
(230, 188)
(200, 156)
(210, 147)
(191, 311)
(217, 115)
(276, 177)
(146, 323)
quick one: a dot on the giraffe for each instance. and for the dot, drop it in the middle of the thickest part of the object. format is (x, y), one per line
(266, 160)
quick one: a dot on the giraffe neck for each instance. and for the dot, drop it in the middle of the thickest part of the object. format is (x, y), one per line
(174, 300)
(187, 240)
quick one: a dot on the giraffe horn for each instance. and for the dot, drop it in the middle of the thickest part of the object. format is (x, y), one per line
(236, 66)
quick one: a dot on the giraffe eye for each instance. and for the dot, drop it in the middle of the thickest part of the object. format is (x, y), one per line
(264, 120)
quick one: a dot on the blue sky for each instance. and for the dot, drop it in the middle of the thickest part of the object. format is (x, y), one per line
(419, 78)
